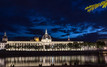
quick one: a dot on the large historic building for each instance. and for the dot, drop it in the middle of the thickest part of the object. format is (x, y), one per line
(45, 43)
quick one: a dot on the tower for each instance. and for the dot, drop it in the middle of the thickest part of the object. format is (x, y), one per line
(68, 38)
(5, 39)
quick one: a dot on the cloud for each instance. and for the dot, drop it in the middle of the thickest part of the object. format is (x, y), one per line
(12, 34)
(63, 30)
(21, 31)
(49, 27)
(43, 23)
(58, 34)
(101, 33)
(75, 31)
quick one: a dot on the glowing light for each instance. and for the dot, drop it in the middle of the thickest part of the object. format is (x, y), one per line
(36, 39)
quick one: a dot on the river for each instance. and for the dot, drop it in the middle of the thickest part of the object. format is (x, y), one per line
(29, 61)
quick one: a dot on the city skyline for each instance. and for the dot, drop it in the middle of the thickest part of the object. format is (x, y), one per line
(29, 18)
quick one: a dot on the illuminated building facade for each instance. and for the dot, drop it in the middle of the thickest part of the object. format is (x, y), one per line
(46, 44)
(103, 40)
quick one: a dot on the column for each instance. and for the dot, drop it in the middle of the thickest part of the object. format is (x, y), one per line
(44, 47)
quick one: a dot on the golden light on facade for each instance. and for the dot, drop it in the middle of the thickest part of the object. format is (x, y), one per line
(36, 39)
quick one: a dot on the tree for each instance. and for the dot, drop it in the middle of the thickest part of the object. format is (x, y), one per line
(90, 8)
(76, 45)
(100, 44)
(70, 45)
(7, 46)
(60, 46)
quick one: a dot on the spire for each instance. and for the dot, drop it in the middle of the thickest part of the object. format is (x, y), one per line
(46, 31)
(4, 33)
(5, 39)
(68, 38)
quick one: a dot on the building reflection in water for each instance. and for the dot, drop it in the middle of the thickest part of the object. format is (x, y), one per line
(48, 60)
(2, 62)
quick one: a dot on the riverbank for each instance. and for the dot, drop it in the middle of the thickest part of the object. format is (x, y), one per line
(102, 65)
(50, 53)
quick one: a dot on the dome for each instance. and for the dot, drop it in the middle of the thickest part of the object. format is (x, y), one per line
(46, 37)
(4, 36)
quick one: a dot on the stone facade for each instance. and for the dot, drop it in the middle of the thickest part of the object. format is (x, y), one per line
(46, 40)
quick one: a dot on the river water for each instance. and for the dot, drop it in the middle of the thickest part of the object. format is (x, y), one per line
(56, 60)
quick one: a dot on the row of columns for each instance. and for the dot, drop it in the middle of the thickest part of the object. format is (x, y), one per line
(29, 44)
(39, 44)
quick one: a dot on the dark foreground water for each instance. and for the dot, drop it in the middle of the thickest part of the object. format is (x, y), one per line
(56, 60)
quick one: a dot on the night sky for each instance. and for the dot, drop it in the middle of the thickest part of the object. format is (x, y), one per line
(25, 19)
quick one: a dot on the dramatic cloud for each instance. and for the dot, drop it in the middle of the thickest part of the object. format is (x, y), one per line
(77, 30)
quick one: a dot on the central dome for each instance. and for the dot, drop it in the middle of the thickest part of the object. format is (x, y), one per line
(46, 37)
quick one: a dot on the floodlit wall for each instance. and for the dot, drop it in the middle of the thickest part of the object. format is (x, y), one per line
(2, 46)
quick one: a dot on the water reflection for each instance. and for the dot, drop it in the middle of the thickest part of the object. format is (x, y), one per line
(56, 60)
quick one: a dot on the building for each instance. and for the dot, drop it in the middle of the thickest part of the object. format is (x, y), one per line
(103, 40)
(2, 45)
(5, 38)
(46, 44)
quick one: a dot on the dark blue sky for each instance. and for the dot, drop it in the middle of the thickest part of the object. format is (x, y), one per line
(25, 19)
